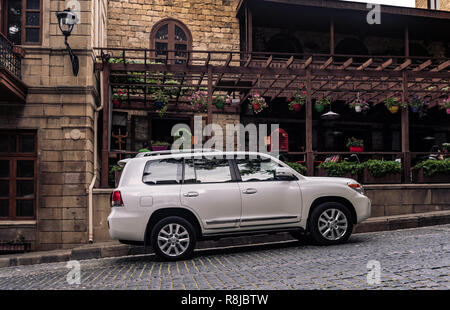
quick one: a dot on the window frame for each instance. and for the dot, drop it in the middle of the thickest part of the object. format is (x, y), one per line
(24, 27)
(171, 22)
(231, 164)
(13, 156)
(239, 177)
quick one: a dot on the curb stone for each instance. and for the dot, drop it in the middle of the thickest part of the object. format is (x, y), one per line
(115, 249)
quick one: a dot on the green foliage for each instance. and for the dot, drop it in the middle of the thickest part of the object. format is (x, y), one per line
(300, 168)
(160, 143)
(379, 168)
(324, 101)
(113, 170)
(433, 167)
(394, 101)
(340, 169)
(354, 142)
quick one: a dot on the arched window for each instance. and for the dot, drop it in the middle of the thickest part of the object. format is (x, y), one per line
(171, 39)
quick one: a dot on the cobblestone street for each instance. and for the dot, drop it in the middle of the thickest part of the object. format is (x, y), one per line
(410, 259)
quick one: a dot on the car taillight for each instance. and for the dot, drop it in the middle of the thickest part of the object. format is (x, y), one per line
(116, 199)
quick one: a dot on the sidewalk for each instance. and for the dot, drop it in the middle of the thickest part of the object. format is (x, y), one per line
(116, 249)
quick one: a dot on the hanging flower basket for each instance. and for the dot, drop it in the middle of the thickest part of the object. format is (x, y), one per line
(445, 104)
(393, 104)
(161, 100)
(221, 101)
(297, 101)
(320, 104)
(359, 105)
(199, 101)
(258, 103)
(118, 96)
(416, 104)
(355, 145)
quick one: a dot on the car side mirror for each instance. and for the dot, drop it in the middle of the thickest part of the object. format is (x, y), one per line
(284, 173)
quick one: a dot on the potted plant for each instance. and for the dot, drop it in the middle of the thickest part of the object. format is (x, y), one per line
(320, 104)
(118, 96)
(446, 147)
(355, 145)
(300, 168)
(359, 105)
(446, 105)
(221, 101)
(297, 101)
(416, 104)
(340, 169)
(115, 173)
(160, 145)
(393, 104)
(432, 171)
(199, 100)
(258, 103)
(382, 172)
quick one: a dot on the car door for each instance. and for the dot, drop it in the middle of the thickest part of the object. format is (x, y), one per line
(266, 200)
(211, 191)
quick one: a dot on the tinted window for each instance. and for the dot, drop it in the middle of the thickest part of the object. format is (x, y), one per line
(257, 169)
(165, 171)
(204, 170)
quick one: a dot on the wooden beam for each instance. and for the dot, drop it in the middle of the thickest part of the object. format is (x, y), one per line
(346, 64)
(210, 92)
(405, 130)
(308, 125)
(307, 63)
(365, 64)
(326, 63)
(403, 66)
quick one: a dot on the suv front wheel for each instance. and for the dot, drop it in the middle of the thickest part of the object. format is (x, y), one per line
(330, 223)
(173, 238)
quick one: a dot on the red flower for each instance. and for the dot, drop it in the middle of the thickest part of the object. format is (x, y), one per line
(303, 92)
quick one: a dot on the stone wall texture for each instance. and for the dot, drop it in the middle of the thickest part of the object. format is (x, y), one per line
(213, 23)
(423, 4)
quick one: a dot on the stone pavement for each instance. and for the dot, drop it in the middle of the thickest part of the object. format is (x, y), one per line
(416, 258)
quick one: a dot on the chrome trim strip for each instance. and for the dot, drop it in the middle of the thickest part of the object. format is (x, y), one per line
(268, 218)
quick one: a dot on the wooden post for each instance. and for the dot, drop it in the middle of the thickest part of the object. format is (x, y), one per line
(332, 36)
(249, 30)
(406, 41)
(308, 122)
(210, 90)
(105, 138)
(405, 131)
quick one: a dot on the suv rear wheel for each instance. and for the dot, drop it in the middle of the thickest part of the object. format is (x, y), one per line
(173, 238)
(330, 223)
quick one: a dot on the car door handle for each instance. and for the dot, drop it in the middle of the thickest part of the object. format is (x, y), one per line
(190, 194)
(250, 191)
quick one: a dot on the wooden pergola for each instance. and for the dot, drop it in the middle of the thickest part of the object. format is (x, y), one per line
(281, 75)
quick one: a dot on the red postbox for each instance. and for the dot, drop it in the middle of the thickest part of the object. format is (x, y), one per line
(283, 140)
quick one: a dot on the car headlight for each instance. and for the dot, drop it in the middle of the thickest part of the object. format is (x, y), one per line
(357, 187)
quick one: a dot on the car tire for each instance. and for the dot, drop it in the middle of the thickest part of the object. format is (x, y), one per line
(330, 223)
(173, 238)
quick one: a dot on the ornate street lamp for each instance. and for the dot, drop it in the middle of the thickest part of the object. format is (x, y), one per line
(66, 23)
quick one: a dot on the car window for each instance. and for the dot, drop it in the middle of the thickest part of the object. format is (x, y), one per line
(257, 169)
(164, 171)
(206, 170)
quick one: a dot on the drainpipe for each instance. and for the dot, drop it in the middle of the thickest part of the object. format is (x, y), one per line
(94, 178)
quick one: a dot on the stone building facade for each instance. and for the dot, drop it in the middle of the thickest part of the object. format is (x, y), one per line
(60, 111)
(443, 5)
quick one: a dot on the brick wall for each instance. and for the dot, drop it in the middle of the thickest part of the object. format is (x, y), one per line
(213, 23)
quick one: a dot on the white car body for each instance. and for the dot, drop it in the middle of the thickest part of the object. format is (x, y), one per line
(223, 209)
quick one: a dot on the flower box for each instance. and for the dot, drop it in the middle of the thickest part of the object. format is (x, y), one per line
(389, 178)
(157, 148)
(356, 149)
(420, 177)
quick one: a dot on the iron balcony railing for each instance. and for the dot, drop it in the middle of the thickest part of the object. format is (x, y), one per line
(8, 59)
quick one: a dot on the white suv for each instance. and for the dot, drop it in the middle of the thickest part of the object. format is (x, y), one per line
(170, 201)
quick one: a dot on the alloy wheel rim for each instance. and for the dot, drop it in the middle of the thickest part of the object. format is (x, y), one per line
(332, 224)
(173, 239)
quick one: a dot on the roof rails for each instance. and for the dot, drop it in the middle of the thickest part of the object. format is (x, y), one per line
(165, 152)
